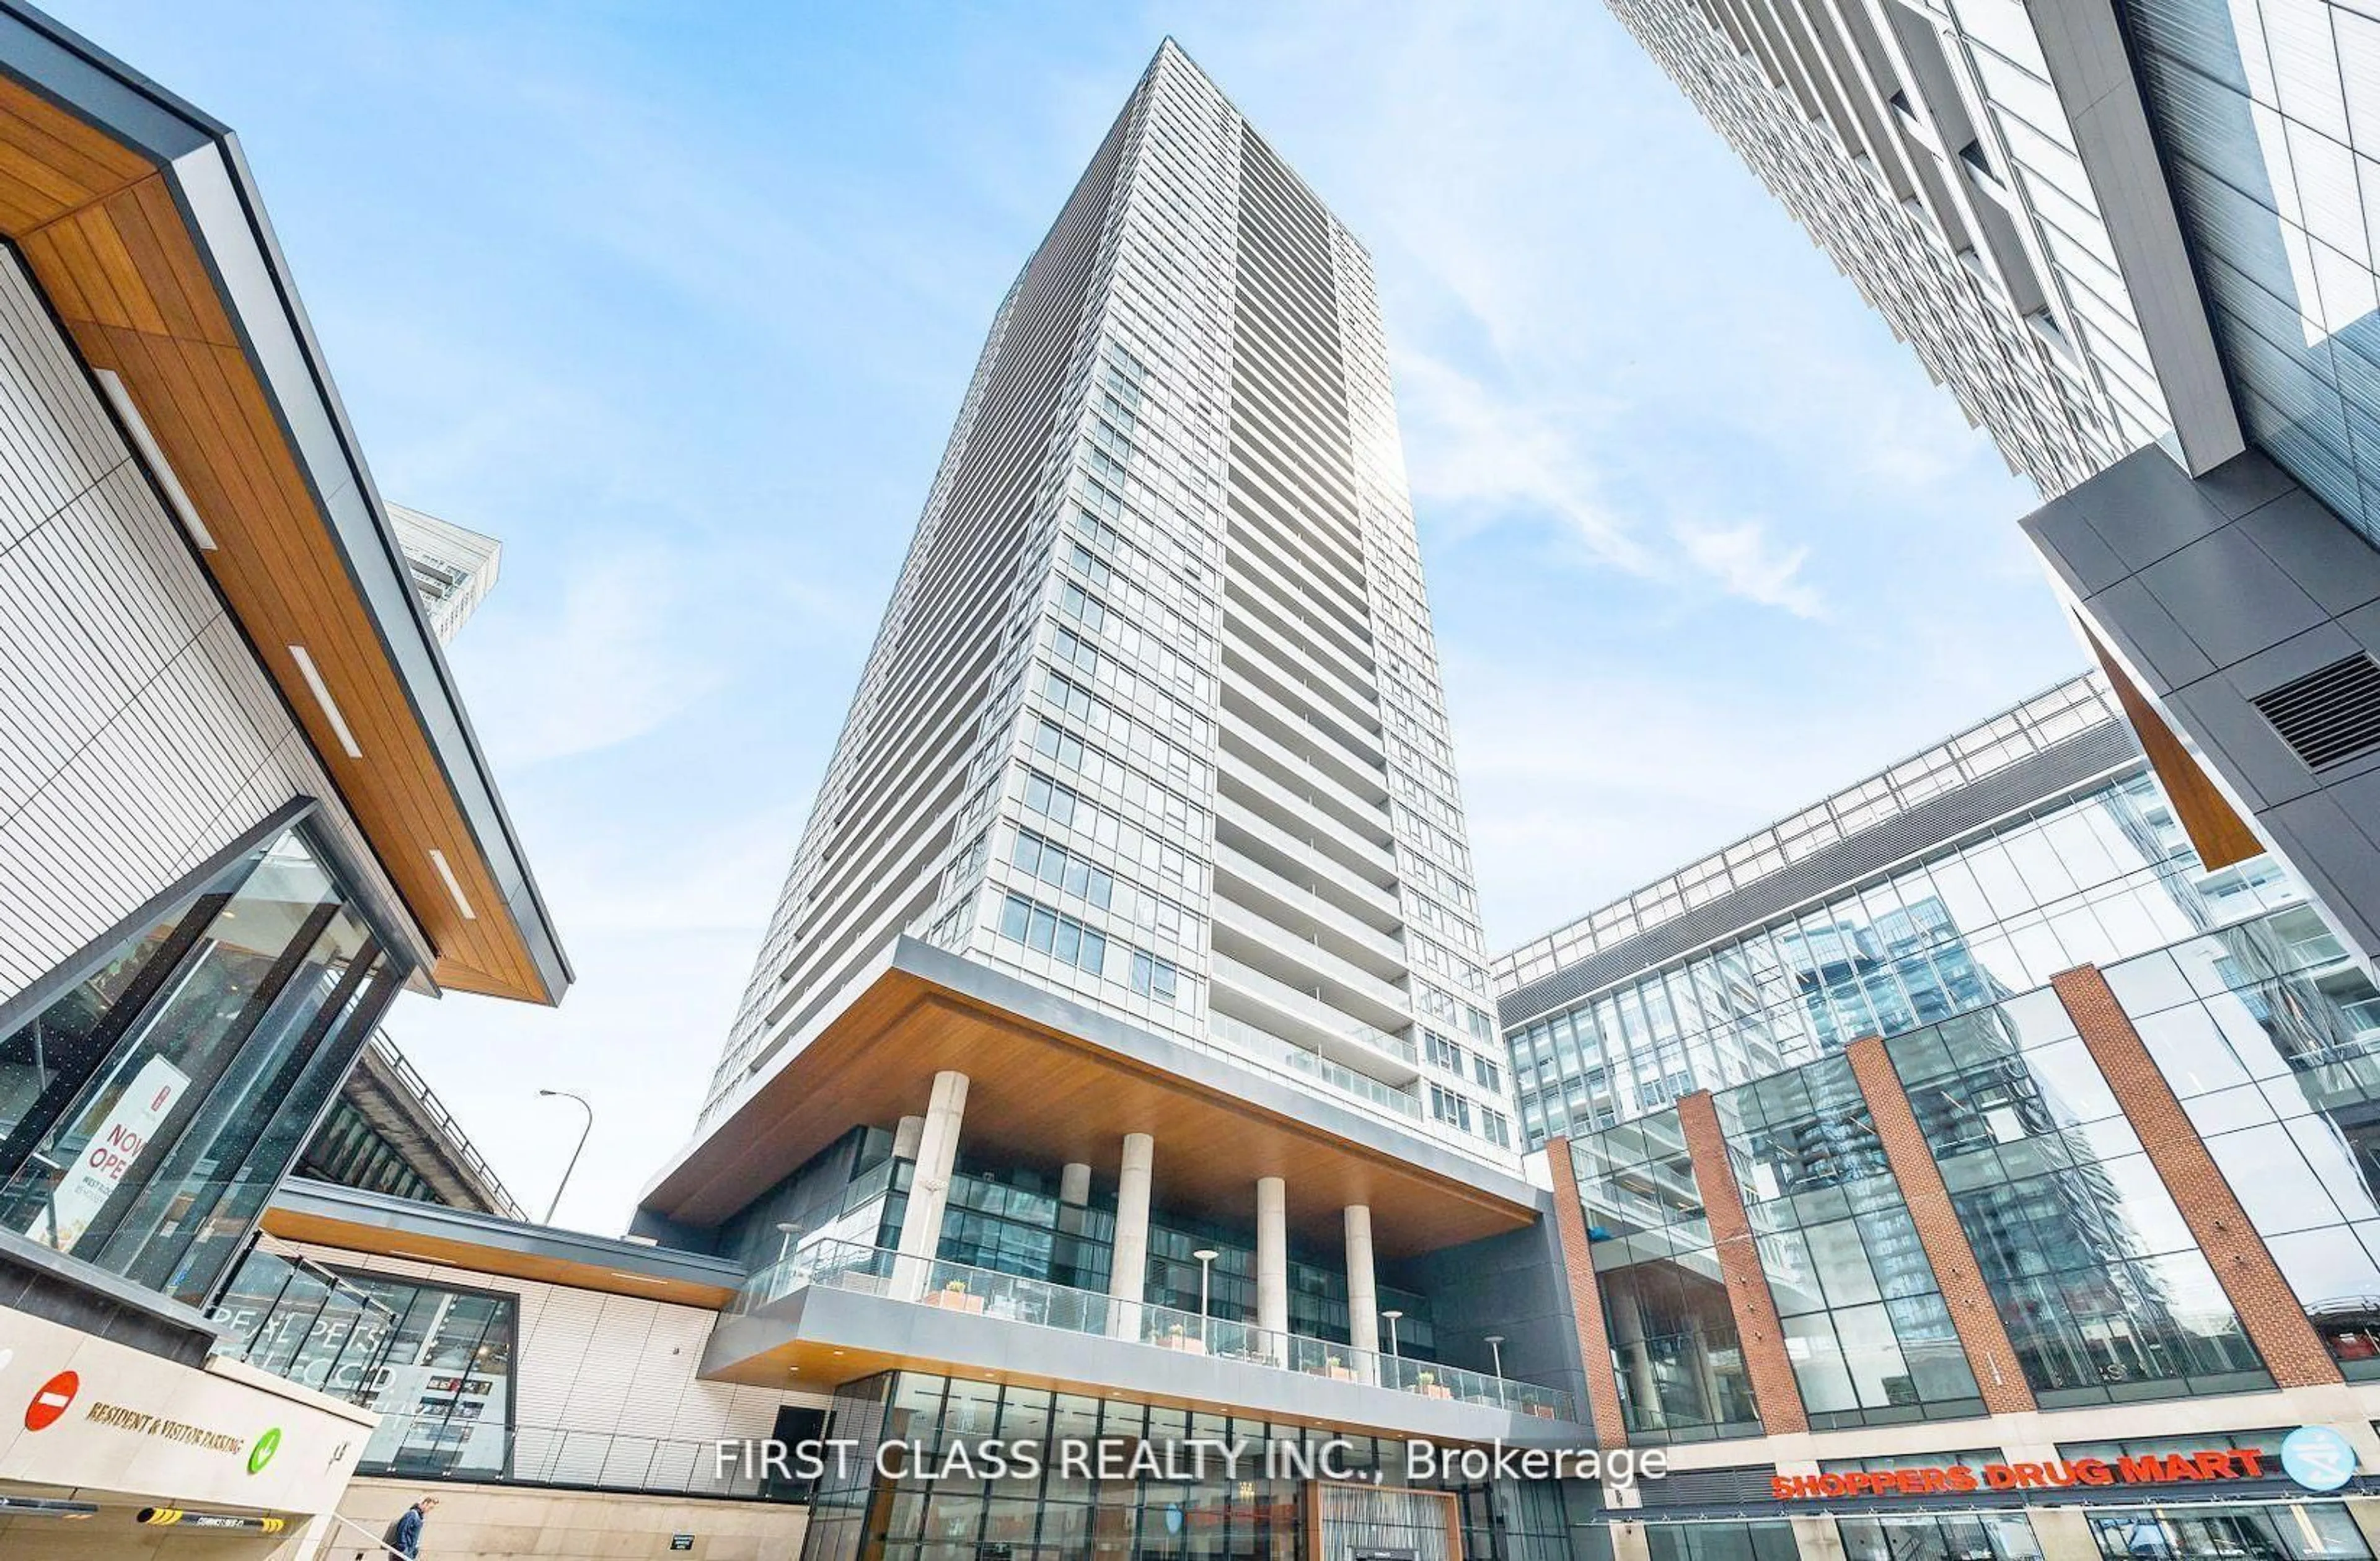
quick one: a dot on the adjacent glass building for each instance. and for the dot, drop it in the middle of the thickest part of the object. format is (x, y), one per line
(2082, 867)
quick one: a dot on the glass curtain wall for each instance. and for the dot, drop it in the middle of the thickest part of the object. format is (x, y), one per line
(1869, 1338)
(2269, 126)
(2105, 1294)
(1052, 1513)
(442, 1381)
(2092, 880)
(1009, 1219)
(2270, 1035)
(148, 1112)
(1674, 1344)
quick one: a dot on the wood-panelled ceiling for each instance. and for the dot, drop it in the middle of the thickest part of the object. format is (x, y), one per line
(475, 1257)
(1046, 1097)
(106, 240)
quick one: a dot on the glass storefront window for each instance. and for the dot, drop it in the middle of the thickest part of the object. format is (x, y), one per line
(150, 1108)
(2103, 1293)
(1244, 1516)
(2270, 1035)
(440, 1380)
(1721, 1542)
(1869, 1338)
(1674, 1345)
(2308, 1530)
(1982, 1536)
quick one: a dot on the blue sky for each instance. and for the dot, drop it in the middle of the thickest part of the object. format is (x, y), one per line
(680, 301)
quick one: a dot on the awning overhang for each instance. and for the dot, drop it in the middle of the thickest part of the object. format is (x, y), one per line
(1051, 1080)
(138, 220)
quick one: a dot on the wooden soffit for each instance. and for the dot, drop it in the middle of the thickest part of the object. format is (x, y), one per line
(2216, 831)
(109, 232)
(1041, 1094)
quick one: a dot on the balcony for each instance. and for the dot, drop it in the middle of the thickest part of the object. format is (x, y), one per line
(1253, 883)
(1259, 837)
(1242, 1036)
(962, 1290)
(1329, 1026)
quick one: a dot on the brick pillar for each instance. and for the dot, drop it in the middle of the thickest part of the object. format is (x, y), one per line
(1585, 1298)
(1774, 1390)
(1956, 1272)
(2268, 1309)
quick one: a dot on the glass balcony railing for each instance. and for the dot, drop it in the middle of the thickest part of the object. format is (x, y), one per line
(960, 1287)
(433, 1448)
(1271, 1048)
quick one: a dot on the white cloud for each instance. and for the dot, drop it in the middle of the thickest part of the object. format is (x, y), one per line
(605, 664)
(1492, 455)
(1748, 562)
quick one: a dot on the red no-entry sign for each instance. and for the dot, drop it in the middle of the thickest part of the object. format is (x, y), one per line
(51, 1401)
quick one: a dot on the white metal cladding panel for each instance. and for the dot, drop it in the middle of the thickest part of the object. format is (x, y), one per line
(141, 735)
(590, 1362)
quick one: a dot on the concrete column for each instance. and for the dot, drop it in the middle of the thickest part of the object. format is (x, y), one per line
(2063, 1533)
(1629, 1543)
(1075, 1183)
(1128, 1267)
(1363, 1292)
(1817, 1539)
(1272, 1257)
(930, 1186)
(905, 1134)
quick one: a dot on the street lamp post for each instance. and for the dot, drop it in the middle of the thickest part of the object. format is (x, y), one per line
(1390, 1317)
(582, 1131)
(1496, 1349)
(1206, 1256)
(786, 1231)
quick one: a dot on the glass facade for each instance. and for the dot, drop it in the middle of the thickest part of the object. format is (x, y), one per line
(1053, 1514)
(2269, 120)
(2103, 1293)
(1674, 1344)
(435, 1360)
(442, 1381)
(148, 1112)
(2094, 880)
(1009, 1219)
(1865, 1328)
(1770, 1541)
(2299, 1530)
(1932, 1536)
(2268, 1034)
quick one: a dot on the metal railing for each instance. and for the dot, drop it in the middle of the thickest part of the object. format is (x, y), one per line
(1249, 1037)
(450, 1132)
(431, 1447)
(961, 1288)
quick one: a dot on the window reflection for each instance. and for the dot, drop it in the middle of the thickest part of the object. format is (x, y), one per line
(1674, 1345)
(2090, 880)
(149, 1110)
(1870, 1340)
(2270, 1035)
(2103, 1293)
